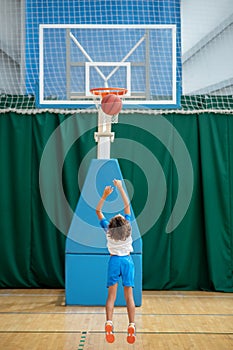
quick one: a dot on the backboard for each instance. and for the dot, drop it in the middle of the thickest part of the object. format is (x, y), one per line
(76, 58)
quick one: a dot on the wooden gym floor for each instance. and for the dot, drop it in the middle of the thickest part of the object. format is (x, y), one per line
(39, 320)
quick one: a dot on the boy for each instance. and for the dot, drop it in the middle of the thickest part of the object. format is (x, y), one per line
(119, 243)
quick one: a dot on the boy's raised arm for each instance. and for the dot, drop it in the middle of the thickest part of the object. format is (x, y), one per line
(107, 191)
(125, 199)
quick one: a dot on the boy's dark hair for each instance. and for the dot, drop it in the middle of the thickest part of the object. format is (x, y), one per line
(119, 228)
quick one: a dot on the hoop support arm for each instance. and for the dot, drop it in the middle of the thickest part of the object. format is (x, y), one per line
(98, 135)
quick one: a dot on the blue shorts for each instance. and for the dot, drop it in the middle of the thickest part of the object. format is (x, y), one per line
(121, 266)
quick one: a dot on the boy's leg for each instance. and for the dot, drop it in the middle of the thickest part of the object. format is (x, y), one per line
(128, 291)
(112, 290)
(131, 314)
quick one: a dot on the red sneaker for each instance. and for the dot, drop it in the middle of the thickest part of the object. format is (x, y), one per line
(109, 336)
(131, 337)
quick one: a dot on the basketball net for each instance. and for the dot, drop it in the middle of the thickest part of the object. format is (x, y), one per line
(105, 136)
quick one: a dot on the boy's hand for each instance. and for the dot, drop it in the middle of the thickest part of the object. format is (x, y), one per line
(107, 191)
(117, 183)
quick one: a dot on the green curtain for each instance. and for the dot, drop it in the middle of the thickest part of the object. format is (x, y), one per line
(198, 254)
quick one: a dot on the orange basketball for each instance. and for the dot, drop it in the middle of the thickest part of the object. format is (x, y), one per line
(111, 104)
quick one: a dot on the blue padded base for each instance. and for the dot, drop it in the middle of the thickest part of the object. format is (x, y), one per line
(86, 253)
(86, 277)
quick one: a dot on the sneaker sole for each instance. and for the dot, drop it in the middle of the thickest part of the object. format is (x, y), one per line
(131, 335)
(109, 335)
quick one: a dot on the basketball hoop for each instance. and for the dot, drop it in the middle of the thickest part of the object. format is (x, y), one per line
(99, 94)
(109, 90)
